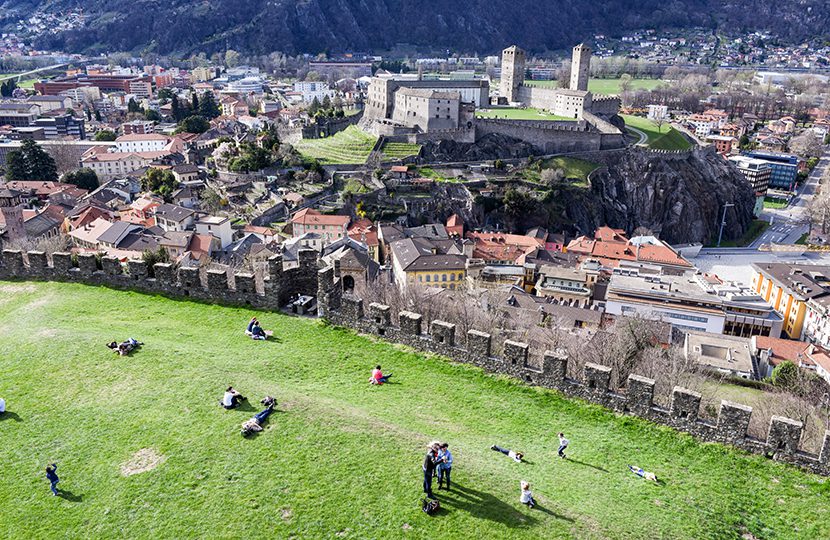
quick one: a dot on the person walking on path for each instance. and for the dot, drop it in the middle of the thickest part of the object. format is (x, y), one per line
(52, 476)
(444, 465)
(430, 460)
(563, 444)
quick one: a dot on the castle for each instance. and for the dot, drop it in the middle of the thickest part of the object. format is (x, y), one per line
(549, 369)
(408, 109)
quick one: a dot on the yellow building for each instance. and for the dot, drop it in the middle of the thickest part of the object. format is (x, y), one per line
(429, 263)
(787, 288)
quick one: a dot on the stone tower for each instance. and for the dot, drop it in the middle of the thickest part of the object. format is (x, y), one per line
(580, 67)
(512, 73)
(11, 208)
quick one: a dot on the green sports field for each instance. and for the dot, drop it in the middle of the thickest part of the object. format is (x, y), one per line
(144, 450)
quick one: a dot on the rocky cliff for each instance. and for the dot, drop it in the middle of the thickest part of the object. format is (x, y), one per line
(678, 197)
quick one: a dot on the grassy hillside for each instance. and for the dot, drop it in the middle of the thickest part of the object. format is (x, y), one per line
(350, 146)
(341, 459)
(605, 86)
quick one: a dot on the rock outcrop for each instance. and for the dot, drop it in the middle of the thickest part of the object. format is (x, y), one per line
(680, 197)
(491, 146)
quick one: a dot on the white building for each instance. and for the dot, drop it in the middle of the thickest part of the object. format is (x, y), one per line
(658, 112)
(313, 89)
(248, 85)
(141, 142)
(218, 227)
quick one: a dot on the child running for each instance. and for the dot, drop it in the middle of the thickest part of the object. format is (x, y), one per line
(563, 444)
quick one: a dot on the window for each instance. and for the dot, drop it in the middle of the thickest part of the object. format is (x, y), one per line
(452, 277)
(443, 277)
(428, 276)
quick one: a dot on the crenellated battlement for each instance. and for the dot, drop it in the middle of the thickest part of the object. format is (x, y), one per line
(549, 370)
(219, 285)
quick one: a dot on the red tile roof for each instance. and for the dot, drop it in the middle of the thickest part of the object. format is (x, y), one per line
(308, 216)
(781, 349)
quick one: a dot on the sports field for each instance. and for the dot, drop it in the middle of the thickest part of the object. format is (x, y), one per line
(144, 450)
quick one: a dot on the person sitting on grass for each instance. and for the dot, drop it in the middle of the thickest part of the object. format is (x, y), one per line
(526, 496)
(232, 399)
(643, 474)
(254, 425)
(378, 377)
(253, 322)
(515, 456)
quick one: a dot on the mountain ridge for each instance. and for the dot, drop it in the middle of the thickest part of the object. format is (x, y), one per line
(314, 26)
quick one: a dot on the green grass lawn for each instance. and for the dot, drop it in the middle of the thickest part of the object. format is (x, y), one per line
(605, 86)
(772, 202)
(803, 239)
(521, 114)
(662, 138)
(350, 146)
(340, 459)
(429, 172)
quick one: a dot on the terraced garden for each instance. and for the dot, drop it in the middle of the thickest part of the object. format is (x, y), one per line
(349, 147)
(396, 150)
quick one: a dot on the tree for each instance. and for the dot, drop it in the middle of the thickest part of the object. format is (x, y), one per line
(625, 83)
(105, 135)
(7, 88)
(151, 258)
(194, 102)
(134, 107)
(208, 106)
(97, 115)
(160, 182)
(30, 162)
(193, 124)
(176, 110)
(808, 144)
(83, 178)
(326, 102)
(785, 374)
(314, 106)
(550, 177)
(231, 58)
(152, 115)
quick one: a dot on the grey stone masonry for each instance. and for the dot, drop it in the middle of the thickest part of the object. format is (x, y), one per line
(165, 273)
(138, 270)
(217, 280)
(515, 353)
(87, 263)
(410, 323)
(685, 405)
(13, 260)
(61, 264)
(479, 344)
(640, 392)
(443, 333)
(597, 377)
(733, 421)
(381, 315)
(784, 435)
(112, 266)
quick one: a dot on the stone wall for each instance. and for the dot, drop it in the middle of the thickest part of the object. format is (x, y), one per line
(549, 370)
(547, 137)
(217, 286)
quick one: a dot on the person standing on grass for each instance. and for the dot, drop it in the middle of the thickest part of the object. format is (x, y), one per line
(430, 460)
(563, 444)
(52, 476)
(444, 465)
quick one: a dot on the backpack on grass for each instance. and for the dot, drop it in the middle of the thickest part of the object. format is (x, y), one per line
(430, 506)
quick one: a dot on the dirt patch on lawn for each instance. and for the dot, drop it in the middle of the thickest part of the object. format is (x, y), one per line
(144, 460)
(20, 288)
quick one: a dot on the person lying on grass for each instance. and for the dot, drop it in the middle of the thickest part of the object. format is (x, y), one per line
(378, 377)
(125, 347)
(643, 474)
(254, 425)
(515, 456)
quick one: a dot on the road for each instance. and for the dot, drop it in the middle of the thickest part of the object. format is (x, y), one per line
(26, 74)
(788, 224)
(643, 137)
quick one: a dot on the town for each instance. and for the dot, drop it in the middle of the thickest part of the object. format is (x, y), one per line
(630, 212)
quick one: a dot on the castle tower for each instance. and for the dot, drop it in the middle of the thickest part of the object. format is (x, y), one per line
(512, 73)
(11, 207)
(580, 67)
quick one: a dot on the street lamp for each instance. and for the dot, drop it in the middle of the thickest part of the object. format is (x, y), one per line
(723, 221)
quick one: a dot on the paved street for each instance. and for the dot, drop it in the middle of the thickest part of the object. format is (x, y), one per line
(788, 224)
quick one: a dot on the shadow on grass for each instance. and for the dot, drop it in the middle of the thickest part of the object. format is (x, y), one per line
(549, 512)
(597, 467)
(69, 496)
(484, 506)
(8, 415)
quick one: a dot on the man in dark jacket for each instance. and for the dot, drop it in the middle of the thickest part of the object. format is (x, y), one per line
(430, 461)
(52, 476)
